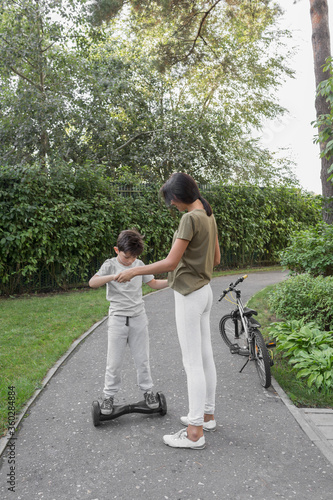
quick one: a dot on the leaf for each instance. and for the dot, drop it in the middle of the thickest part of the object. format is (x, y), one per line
(311, 379)
(303, 373)
(319, 381)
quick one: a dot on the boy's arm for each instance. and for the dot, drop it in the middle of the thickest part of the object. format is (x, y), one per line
(97, 281)
(157, 284)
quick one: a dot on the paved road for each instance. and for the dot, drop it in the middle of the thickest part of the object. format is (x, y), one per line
(258, 452)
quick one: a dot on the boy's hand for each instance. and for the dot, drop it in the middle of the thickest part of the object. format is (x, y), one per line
(125, 276)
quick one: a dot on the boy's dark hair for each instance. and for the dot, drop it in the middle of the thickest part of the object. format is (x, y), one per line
(130, 241)
(182, 187)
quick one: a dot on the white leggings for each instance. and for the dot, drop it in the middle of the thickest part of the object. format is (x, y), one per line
(193, 327)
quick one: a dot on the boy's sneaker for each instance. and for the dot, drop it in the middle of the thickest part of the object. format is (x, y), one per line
(151, 400)
(107, 406)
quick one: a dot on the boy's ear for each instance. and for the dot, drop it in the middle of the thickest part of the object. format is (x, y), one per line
(116, 250)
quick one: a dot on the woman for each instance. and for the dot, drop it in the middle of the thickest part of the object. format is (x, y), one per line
(195, 251)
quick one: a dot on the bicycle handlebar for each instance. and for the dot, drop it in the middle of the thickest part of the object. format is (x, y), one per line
(232, 287)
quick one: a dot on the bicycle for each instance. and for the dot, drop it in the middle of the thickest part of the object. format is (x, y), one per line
(240, 331)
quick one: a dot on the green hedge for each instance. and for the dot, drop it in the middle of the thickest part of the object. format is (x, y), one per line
(311, 251)
(255, 224)
(305, 297)
(57, 228)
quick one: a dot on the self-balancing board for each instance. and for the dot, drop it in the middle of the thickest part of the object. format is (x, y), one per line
(119, 410)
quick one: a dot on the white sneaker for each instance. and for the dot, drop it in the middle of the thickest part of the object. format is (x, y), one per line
(207, 426)
(180, 440)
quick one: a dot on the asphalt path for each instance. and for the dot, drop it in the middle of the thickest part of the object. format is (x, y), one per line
(258, 451)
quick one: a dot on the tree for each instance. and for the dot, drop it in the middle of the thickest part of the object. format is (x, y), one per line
(193, 37)
(223, 61)
(41, 79)
(322, 53)
(127, 93)
(324, 122)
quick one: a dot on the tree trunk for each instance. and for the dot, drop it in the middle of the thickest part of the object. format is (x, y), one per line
(321, 51)
(44, 139)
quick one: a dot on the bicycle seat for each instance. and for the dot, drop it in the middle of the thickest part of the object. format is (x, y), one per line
(249, 312)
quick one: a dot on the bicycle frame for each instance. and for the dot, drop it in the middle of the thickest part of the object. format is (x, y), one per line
(255, 349)
(245, 315)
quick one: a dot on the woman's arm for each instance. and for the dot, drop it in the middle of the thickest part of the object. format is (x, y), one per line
(157, 284)
(161, 266)
(217, 256)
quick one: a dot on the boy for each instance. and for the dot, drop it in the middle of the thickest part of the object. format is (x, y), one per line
(128, 321)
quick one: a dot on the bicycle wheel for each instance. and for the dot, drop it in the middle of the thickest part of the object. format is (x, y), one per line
(227, 329)
(262, 360)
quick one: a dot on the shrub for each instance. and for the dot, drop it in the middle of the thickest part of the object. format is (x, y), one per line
(316, 367)
(51, 222)
(57, 226)
(305, 296)
(297, 335)
(311, 251)
(61, 224)
(308, 349)
(256, 223)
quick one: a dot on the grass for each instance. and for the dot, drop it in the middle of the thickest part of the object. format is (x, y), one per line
(35, 332)
(298, 391)
(244, 270)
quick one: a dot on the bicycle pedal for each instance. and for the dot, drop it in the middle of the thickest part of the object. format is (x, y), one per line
(234, 349)
(243, 351)
(270, 344)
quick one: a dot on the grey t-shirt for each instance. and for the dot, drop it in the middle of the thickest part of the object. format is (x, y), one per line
(125, 298)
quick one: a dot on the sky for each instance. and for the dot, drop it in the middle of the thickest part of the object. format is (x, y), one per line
(294, 131)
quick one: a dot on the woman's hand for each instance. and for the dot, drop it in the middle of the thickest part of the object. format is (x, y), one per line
(162, 266)
(125, 276)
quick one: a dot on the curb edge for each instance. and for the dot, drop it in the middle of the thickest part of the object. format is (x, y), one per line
(306, 425)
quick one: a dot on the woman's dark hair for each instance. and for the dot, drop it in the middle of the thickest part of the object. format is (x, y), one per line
(130, 241)
(182, 187)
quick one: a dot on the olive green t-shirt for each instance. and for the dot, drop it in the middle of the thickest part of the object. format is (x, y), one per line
(195, 268)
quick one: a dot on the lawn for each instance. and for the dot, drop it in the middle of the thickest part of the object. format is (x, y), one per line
(35, 332)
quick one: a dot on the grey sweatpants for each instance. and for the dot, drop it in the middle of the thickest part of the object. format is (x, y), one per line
(134, 331)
